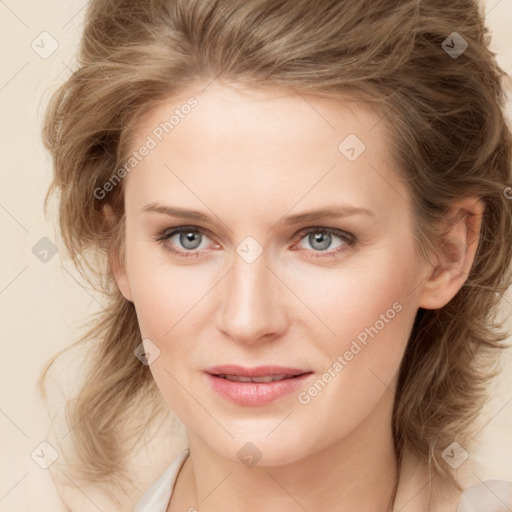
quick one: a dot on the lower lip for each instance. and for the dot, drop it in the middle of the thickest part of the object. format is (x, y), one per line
(255, 393)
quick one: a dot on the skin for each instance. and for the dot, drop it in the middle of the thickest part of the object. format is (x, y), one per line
(249, 159)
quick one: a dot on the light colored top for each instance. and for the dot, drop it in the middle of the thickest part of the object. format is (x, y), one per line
(158, 495)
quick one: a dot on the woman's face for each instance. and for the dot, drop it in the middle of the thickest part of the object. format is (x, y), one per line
(298, 252)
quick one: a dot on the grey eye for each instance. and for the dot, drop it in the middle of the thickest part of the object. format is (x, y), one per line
(190, 239)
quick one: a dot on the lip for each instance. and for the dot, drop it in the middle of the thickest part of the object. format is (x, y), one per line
(255, 393)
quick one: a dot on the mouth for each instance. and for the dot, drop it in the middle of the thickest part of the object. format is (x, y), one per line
(255, 386)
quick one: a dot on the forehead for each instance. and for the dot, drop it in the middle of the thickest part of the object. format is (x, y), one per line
(271, 141)
(243, 112)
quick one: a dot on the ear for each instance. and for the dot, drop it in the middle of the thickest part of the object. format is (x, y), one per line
(118, 270)
(456, 253)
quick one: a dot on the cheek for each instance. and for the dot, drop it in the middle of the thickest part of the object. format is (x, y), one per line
(364, 291)
(163, 292)
(362, 360)
(163, 301)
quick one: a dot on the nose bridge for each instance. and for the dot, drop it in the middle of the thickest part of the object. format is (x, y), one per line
(249, 309)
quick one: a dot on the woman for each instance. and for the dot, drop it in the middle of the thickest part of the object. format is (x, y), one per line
(303, 217)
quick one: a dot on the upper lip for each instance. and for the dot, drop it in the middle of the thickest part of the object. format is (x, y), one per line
(257, 371)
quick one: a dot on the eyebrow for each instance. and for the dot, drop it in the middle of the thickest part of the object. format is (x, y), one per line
(334, 211)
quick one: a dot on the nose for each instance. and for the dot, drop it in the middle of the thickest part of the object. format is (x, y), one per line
(251, 308)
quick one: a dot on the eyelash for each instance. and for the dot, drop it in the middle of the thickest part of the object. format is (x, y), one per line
(348, 239)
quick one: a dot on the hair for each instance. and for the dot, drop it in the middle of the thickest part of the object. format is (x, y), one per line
(450, 140)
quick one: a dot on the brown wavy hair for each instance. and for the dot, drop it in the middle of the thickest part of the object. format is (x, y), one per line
(450, 140)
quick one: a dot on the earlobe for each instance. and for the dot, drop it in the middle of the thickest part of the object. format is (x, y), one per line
(455, 255)
(117, 268)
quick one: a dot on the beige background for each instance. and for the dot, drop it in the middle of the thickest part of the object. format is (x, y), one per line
(42, 304)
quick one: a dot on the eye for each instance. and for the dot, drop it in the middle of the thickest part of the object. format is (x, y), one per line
(320, 239)
(189, 238)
